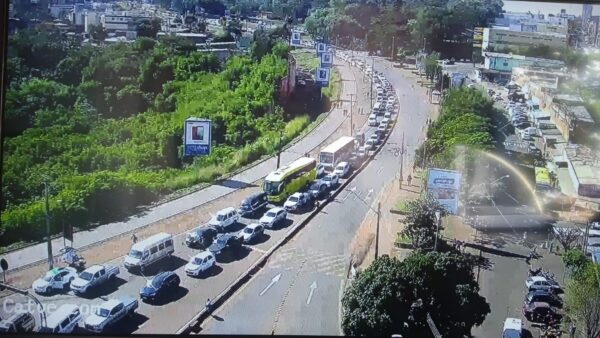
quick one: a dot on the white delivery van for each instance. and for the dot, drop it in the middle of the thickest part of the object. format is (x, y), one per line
(149, 251)
(64, 320)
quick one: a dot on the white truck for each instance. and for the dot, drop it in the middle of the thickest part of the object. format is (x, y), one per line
(92, 277)
(109, 313)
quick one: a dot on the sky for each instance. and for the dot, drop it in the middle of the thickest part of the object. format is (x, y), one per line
(547, 7)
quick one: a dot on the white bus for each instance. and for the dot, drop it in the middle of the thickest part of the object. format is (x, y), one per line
(337, 152)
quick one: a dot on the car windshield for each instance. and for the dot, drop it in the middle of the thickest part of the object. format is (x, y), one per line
(48, 277)
(270, 214)
(156, 282)
(293, 199)
(135, 254)
(198, 260)
(247, 230)
(315, 186)
(102, 312)
(86, 276)
(327, 178)
(340, 167)
(272, 188)
(220, 217)
(222, 240)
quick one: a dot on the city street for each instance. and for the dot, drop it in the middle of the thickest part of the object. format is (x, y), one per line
(318, 258)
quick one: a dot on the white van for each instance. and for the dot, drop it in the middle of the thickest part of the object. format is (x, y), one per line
(64, 320)
(150, 250)
(372, 120)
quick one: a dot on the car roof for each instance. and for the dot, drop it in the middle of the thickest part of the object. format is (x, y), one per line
(111, 303)
(297, 194)
(203, 254)
(162, 275)
(253, 226)
(94, 268)
(275, 209)
(513, 324)
(537, 278)
(540, 304)
(59, 315)
(342, 164)
(225, 210)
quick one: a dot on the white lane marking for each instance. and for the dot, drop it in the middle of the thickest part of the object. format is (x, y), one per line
(273, 281)
(379, 170)
(313, 286)
(255, 249)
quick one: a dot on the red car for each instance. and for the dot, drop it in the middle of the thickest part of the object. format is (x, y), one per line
(540, 312)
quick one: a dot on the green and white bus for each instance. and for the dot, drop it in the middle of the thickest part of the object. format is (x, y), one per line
(287, 180)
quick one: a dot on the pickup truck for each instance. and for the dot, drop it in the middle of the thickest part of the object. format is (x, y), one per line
(110, 313)
(92, 277)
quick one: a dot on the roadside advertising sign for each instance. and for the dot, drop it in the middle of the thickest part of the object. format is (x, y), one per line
(197, 137)
(295, 39)
(326, 60)
(444, 186)
(322, 77)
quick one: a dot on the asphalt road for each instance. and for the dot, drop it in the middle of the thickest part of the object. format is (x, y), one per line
(278, 299)
(37, 252)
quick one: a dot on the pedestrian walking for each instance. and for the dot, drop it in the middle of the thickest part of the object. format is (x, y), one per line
(409, 179)
(134, 238)
(208, 306)
(572, 330)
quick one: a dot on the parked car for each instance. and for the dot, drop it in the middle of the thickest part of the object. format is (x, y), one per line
(164, 283)
(342, 169)
(538, 312)
(513, 328)
(543, 296)
(55, 279)
(224, 219)
(370, 145)
(19, 322)
(273, 216)
(375, 137)
(200, 263)
(110, 313)
(381, 130)
(542, 283)
(332, 180)
(251, 232)
(253, 203)
(201, 236)
(593, 245)
(297, 201)
(92, 277)
(225, 242)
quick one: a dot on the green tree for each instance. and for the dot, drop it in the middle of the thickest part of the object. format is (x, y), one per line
(583, 299)
(394, 297)
(421, 222)
(148, 28)
(98, 33)
(575, 261)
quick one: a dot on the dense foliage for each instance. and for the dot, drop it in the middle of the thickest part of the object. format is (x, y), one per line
(103, 125)
(394, 297)
(421, 222)
(583, 298)
(409, 25)
(464, 125)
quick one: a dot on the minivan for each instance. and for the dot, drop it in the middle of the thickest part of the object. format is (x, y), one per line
(64, 320)
(149, 251)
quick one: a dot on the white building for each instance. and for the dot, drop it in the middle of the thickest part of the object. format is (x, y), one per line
(90, 18)
(123, 20)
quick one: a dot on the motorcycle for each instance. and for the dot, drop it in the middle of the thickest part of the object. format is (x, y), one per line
(71, 257)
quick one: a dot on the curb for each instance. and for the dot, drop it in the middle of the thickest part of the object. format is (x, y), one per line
(289, 145)
(194, 324)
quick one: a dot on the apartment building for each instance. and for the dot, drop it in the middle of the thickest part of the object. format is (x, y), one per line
(503, 39)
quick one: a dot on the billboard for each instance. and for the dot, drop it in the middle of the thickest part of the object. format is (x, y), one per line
(321, 48)
(322, 77)
(295, 39)
(444, 186)
(326, 60)
(197, 137)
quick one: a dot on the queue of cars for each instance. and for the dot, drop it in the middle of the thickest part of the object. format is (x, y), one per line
(213, 239)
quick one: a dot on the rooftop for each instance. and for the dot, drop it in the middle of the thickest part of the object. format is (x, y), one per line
(520, 57)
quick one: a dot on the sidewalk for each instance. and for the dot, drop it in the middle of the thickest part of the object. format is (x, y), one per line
(85, 240)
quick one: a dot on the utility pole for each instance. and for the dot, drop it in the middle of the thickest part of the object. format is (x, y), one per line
(377, 230)
(48, 238)
(30, 295)
(393, 40)
(402, 151)
(280, 147)
(351, 104)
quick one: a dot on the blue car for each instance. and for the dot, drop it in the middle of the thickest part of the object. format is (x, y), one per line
(160, 285)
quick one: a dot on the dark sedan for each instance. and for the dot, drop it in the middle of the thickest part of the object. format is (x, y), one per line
(225, 241)
(162, 284)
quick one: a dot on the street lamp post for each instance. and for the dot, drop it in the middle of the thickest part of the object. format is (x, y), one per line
(48, 237)
(438, 219)
(401, 153)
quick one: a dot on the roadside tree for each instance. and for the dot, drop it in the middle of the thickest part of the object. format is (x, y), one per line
(394, 297)
(567, 237)
(583, 299)
(420, 221)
